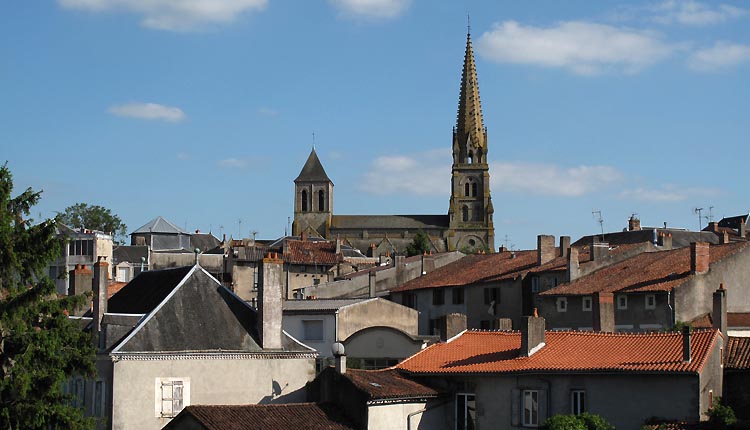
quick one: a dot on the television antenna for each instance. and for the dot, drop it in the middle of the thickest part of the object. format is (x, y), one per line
(698, 211)
(598, 216)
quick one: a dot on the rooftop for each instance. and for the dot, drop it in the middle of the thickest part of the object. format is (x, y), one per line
(297, 416)
(737, 353)
(388, 384)
(319, 305)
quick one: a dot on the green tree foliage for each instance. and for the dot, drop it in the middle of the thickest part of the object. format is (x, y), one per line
(720, 416)
(584, 421)
(94, 217)
(419, 245)
(40, 347)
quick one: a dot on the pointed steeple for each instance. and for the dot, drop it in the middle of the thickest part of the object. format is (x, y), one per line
(313, 170)
(469, 125)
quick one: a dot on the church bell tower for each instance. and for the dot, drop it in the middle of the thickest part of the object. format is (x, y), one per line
(470, 211)
(313, 199)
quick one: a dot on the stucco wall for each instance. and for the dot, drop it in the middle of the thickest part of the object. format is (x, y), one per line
(381, 342)
(294, 325)
(228, 381)
(373, 313)
(396, 416)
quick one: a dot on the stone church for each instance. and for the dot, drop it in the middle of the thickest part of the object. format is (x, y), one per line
(467, 226)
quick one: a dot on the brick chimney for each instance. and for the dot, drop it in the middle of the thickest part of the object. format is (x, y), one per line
(603, 311)
(634, 223)
(545, 248)
(686, 353)
(99, 287)
(269, 300)
(80, 280)
(741, 231)
(699, 257)
(723, 238)
(713, 226)
(573, 271)
(371, 284)
(719, 314)
(451, 325)
(665, 241)
(564, 246)
(532, 334)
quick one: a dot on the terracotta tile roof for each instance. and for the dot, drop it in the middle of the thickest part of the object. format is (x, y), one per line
(738, 319)
(703, 321)
(297, 416)
(388, 384)
(649, 271)
(737, 353)
(497, 352)
(309, 252)
(114, 287)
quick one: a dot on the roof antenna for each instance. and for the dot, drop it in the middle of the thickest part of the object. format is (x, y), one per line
(468, 24)
(313, 141)
(600, 220)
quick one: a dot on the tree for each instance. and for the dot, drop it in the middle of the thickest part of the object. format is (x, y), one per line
(419, 245)
(720, 416)
(40, 347)
(585, 421)
(94, 217)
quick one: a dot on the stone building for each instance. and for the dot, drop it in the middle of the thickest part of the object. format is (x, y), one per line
(467, 225)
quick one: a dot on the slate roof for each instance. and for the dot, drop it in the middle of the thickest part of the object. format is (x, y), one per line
(388, 384)
(680, 237)
(160, 225)
(389, 222)
(319, 305)
(204, 241)
(565, 351)
(313, 170)
(734, 221)
(645, 272)
(737, 353)
(146, 291)
(296, 416)
(130, 253)
(307, 252)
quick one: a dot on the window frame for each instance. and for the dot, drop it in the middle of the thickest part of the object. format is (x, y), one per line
(590, 301)
(438, 296)
(457, 294)
(577, 402)
(467, 398)
(492, 294)
(535, 284)
(646, 300)
(308, 324)
(561, 304)
(622, 302)
(184, 398)
(532, 420)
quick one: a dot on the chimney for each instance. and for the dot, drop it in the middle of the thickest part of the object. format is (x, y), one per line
(713, 226)
(505, 324)
(400, 263)
(532, 334)
(599, 250)
(339, 357)
(428, 264)
(665, 241)
(451, 325)
(573, 271)
(269, 301)
(603, 311)
(80, 280)
(719, 314)
(502, 248)
(699, 257)
(564, 246)
(371, 284)
(634, 223)
(304, 235)
(686, 344)
(723, 238)
(99, 286)
(338, 245)
(545, 249)
(741, 231)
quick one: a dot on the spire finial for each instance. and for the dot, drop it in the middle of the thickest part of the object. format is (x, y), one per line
(468, 24)
(313, 141)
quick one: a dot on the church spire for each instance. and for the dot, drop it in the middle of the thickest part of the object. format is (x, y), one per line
(470, 133)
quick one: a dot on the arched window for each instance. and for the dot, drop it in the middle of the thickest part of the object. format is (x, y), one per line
(321, 201)
(474, 189)
(304, 200)
(466, 190)
(471, 157)
(465, 213)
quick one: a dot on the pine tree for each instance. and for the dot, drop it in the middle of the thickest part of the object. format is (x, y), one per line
(419, 245)
(40, 347)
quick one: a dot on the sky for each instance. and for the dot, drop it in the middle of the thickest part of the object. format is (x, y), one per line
(204, 111)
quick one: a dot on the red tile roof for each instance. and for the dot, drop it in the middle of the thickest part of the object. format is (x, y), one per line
(114, 287)
(388, 384)
(650, 271)
(297, 416)
(498, 352)
(737, 353)
(310, 252)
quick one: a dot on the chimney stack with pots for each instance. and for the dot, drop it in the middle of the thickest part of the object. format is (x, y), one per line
(699, 257)
(269, 300)
(532, 334)
(634, 224)
(80, 280)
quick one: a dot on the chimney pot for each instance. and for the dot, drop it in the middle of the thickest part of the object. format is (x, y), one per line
(686, 353)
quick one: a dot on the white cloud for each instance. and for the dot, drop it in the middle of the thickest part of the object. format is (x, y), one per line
(721, 55)
(426, 173)
(548, 179)
(581, 47)
(237, 163)
(149, 111)
(371, 9)
(690, 12)
(666, 193)
(176, 15)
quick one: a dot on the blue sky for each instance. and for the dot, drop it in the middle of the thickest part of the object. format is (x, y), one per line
(203, 111)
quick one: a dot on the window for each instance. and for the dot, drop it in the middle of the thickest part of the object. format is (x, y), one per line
(466, 189)
(458, 295)
(321, 201)
(81, 247)
(650, 301)
(173, 394)
(378, 363)
(530, 408)
(622, 302)
(491, 296)
(438, 296)
(587, 301)
(577, 402)
(474, 189)
(535, 285)
(562, 304)
(409, 300)
(313, 329)
(99, 399)
(304, 201)
(465, 411)
(465, 213)
(435, 326)
(471, 157)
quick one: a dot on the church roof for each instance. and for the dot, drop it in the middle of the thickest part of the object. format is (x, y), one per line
(469, 120)
(398, 222)
(313, 170)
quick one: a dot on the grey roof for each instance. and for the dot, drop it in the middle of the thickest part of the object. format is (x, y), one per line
(319, 305)
(312, 171)
(199, 314)
(129, 253)
(399, 222)
(734, 221)
(204, 241)
(680, 237)
(160, 225)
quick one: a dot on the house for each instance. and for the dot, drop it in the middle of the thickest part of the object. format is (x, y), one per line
(737, 376)
(82, 247)
(517, 379)
(176, 337)
(376, 333)
(651, 291)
